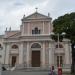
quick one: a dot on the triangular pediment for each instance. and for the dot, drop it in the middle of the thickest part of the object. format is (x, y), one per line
(37, 15)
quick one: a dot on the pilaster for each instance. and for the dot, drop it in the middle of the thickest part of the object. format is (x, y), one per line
(49, 28)
(7, 53)
(28, 63)
(23, 29)
(43, 28)
(43, 55)
(21, 53)
(67, 54)
(4, 53)
(51, 55)
(28, 29)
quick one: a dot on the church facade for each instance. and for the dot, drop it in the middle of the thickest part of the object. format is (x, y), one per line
(32, 45)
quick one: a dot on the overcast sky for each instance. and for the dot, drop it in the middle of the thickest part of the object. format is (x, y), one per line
(12, 11)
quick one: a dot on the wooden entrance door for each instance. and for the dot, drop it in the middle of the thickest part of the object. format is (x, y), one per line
(35, 58)
(13, 60)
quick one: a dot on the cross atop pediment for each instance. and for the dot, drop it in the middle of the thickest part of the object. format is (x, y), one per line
(36, 9)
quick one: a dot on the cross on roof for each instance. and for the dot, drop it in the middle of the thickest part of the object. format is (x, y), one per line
(36, 9)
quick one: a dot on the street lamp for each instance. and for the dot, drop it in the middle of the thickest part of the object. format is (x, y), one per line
(58, 40)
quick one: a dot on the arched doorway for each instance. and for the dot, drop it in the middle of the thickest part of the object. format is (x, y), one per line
(14, 56)
(35, 60)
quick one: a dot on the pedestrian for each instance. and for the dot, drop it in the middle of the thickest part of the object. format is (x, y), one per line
(53, 71)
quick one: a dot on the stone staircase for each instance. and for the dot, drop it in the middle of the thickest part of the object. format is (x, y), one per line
(19, 70)
(30, 71)
(22, 72)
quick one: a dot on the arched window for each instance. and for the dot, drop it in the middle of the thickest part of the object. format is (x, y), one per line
(60, 46)
(36, 31)
(14, 47)
(35, 45)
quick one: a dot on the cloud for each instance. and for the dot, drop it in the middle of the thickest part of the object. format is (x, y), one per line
(62, 7)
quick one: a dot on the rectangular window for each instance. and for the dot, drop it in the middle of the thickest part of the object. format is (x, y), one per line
(59, 60)
(35, 31)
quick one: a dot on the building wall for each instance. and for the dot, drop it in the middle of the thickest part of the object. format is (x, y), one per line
(42, 25)
(1, 50)
(25, 40)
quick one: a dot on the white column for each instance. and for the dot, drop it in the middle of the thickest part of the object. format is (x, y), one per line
(27, 54)
(21, 53)
(43, 28)
(51, 55)
(67, 54)
(43, 55)
(7, 54)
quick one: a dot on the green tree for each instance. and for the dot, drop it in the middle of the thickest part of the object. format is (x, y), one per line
(66, 23)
